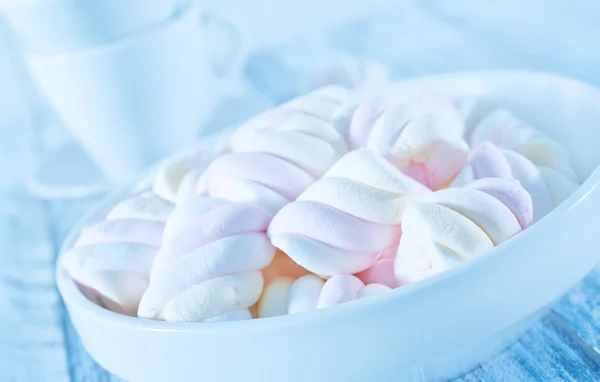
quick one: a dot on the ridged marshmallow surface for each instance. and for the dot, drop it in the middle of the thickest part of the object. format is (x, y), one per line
(421, 136)
(183, 175)
(502, 128)
(112, 258)
(347, 219)
(454, 225)
(277, 155)
(209, 266)
(547, 186)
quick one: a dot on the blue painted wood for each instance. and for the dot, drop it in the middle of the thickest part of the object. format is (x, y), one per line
(31, 326)
(31, 330)
(80, 367)
(581, 309)
(545, 353)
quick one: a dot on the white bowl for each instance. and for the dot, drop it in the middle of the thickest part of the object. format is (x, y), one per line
(432, 330)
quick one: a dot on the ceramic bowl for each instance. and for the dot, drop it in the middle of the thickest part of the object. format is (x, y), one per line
(431, 330)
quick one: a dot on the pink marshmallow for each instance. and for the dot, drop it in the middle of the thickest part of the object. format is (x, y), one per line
(511, 194)
(220, 222)
(333, 227)
(145, 232)
(271, 171)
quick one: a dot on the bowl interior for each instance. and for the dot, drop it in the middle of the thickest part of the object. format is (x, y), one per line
(565, 109)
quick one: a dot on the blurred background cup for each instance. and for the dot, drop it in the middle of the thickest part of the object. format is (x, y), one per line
(132, 101)
(60, 26)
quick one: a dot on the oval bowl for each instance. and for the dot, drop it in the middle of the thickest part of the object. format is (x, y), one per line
(432, 330)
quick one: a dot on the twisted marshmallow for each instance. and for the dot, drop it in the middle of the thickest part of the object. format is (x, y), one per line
(209, 267)
(422, 137)
(343, 222)
(288, 296)
(502, 128)
(279, 154)
(453, 225)
(112, 258)
(183, 175)
(547, 186)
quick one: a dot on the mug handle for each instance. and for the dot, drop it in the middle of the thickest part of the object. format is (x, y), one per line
(225, 45)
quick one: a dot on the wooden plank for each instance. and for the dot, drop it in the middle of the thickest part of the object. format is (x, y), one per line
(31, 336)
(81, 367)
(34, 328)
(545, 353)
(581, 309)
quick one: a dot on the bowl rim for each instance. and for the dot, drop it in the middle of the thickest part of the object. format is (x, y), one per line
(76, 299)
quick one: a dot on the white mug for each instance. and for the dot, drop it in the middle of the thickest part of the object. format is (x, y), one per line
(131, 102)
(61, 26)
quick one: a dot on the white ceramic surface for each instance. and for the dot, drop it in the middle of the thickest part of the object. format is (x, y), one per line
(432, 330)
(131, 102)
(59, 26)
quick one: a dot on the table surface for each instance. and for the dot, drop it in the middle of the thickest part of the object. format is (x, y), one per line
(37, 340)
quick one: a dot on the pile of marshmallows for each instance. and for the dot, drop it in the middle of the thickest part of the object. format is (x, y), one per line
(319, 202)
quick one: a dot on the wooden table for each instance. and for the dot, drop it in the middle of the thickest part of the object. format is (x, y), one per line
(37, 341)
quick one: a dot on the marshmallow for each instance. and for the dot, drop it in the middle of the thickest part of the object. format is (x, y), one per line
(382, 271)
(321, 103)
(183, 175)
(288, 296)
(274, 299)
(278, 277)
(277, 155)
(505, 130)
(421, 136)
(454, 225)
(547, 186)
(473, 110)
(113, 257)
(304, 294)
(209, 265)
(338, 290)
(360, 119)
(373, 290)
(347, 219)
